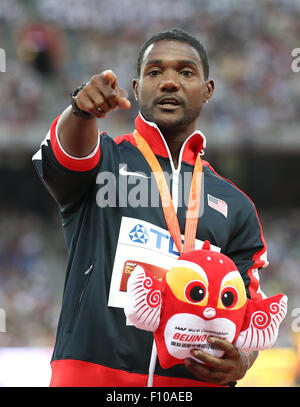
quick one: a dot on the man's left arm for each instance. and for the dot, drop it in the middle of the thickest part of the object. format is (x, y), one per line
(247, 248)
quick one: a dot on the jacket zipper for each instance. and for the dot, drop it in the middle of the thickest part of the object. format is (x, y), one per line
(174, 194)
(87, 275)
(175, 188)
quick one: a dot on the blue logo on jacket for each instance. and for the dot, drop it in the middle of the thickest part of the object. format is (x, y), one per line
(139, 234)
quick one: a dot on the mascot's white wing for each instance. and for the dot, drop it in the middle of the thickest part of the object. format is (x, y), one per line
(261, 325)
(144, 300)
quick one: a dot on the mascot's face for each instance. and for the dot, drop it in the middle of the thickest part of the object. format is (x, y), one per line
(215, 287)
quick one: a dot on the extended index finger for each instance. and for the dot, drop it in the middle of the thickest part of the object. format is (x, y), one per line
(122, 100)
(110, 78)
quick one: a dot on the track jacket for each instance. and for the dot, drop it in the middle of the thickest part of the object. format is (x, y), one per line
(112, 217)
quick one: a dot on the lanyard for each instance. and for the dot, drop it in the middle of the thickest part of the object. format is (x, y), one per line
(167, 203)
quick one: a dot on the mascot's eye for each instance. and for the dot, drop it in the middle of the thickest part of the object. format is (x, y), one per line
(229, 297)
(195, 291)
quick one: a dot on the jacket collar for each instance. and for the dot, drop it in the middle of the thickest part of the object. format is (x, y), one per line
(192, 146)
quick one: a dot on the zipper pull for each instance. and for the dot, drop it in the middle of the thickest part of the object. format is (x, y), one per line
(176, 177)
(88, 270)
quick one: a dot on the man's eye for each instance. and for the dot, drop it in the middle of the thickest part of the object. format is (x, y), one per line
(154, 72)
(186, 73)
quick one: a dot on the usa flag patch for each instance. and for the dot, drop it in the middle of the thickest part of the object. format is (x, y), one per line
(217, 204)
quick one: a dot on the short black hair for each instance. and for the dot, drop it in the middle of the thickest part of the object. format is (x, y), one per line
(175, 34)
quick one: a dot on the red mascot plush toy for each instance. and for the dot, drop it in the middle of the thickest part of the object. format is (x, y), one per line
(202, 295)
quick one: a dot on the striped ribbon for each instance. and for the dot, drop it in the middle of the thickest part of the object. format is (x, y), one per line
(167, 202)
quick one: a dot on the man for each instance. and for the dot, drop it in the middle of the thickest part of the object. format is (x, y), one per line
(94, 345)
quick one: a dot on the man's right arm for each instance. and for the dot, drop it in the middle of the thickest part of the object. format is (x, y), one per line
(69, 157)
(79, 136)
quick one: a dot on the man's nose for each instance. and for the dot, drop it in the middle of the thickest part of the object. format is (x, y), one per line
(169, 82)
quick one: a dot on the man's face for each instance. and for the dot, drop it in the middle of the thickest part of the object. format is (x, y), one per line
(171, 88)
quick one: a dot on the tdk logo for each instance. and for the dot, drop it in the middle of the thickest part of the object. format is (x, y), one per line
(160, 240)
(139, 234)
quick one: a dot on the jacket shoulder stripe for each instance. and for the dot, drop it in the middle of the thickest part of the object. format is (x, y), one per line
(66, 160)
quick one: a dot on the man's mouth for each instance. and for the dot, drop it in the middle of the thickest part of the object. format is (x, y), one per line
(169, 102)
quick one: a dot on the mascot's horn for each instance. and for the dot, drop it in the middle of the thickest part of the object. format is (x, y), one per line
(206, 245)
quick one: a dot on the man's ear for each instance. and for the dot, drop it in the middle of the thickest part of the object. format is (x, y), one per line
(210, 87)
(135, 87)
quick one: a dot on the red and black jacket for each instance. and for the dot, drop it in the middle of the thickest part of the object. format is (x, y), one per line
(94, 346)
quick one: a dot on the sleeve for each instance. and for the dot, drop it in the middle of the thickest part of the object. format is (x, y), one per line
(67, 178)
(248, 250)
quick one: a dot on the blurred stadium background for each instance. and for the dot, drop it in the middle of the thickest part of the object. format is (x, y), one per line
(251, 125)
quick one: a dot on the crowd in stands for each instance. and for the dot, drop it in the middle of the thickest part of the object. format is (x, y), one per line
(32, 269)
(53, 49)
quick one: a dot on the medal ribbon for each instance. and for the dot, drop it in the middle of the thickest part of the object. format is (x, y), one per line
(167, 202)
